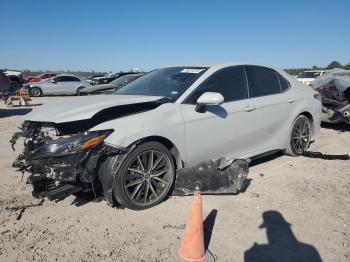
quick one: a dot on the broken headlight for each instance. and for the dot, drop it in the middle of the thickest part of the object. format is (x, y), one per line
(71, 145)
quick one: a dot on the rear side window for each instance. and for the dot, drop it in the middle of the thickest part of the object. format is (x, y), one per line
(68, 79)
(283, 82)
(262, 81)
(229, 82)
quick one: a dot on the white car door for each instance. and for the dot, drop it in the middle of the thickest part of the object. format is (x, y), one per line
(272, 107)
(55, 85)
(70, 86)
(226, 130)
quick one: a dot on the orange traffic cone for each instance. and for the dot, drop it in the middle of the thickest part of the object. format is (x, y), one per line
(192, 244)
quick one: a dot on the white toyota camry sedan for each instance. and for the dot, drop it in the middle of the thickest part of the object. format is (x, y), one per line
(176, 129)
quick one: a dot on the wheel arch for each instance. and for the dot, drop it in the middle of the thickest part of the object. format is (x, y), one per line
(307, 114)
(42, 93)
(168, 144)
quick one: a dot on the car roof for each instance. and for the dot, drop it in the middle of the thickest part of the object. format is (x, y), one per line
(218, 65)
(67, 75)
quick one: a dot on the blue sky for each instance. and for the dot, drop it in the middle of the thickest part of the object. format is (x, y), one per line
(119, 35)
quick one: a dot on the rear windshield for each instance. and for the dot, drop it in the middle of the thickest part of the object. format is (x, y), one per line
(168, 82)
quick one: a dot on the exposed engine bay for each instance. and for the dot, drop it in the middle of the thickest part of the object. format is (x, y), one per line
(60, 164)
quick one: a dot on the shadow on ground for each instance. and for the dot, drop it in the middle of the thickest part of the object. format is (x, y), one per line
(319, 155)
(82, 198)
(208, 225)
(282, 244)
(341, 127)
(267, 158)
(14, 112)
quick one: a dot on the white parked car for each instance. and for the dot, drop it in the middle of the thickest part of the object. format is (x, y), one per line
(134, 144)
(307, 77)
(58, 85)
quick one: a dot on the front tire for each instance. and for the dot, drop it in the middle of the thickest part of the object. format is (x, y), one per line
(145, 177)
(35, 92)
(300, 136)
(78, 93)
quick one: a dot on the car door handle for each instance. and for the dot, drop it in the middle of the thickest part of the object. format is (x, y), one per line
(291, 100)
(249, 108)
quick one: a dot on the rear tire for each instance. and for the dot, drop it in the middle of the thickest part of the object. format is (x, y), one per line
(35, 91)
(141, 185)
(300, 135)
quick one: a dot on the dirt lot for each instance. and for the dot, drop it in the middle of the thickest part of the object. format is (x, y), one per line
(311, 193)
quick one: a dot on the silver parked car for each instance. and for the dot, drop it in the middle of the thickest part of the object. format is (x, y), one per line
(58, 85)
(177, 129)
(110, 87)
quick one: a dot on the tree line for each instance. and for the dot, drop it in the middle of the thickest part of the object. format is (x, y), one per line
(291, 71)
(332, 65)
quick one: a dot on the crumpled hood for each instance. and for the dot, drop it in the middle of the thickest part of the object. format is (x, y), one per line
(80, 108)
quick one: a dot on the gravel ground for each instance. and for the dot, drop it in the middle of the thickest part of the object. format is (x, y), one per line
(303, 201)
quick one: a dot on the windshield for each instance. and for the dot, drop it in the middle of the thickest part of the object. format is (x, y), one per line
(121, 80)
(168, 82)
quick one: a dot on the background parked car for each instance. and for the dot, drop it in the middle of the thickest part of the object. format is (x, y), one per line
(58, 85)
(41, 77)
(308, 76)
(5, 84)
(109, 78)
(16, 78)
(92, 77)
(112, 86)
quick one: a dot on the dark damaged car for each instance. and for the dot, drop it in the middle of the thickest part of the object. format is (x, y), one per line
(176, 130)
(334, 87)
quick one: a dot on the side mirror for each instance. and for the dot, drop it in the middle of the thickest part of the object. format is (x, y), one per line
(53, 81)
(208, 98)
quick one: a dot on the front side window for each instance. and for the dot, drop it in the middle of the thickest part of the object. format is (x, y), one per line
(58, 79)
(230, 82)
(72, 79)
(262, 81)
(168, 82)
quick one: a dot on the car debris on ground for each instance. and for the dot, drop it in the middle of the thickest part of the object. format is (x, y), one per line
(220, 176)
(21, 209)
(334, 87)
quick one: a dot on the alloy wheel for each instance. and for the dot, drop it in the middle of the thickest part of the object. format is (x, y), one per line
(35, 92)
(301, 135)
(148, 177)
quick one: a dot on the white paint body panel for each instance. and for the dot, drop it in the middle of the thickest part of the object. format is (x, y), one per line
(83, 107)
(226, 130)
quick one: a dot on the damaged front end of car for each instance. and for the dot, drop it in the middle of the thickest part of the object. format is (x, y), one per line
(60, 163)
(334, 89)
